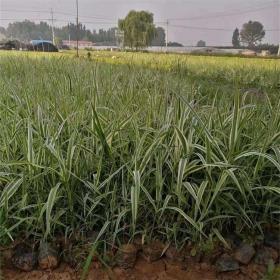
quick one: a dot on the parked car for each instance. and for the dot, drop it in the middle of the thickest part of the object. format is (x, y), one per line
(42, 46)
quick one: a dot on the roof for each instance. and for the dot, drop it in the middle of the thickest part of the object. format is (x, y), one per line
(36, 42)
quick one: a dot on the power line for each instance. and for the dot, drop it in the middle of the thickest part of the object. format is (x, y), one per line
(217, 15)
(56, 20)
(200, 28)
(105, 21)
(26, 11)
(212, 28)
(115, 23)
(102, 22)
(23, 19)
(57, 12)
(214, 15)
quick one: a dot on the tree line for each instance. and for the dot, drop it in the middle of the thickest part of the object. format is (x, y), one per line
(26, 31)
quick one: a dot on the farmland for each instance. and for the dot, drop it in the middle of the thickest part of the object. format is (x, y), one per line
(168, 147)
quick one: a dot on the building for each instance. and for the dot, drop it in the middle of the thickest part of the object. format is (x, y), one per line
(265, 53)
(249, 53)
(207, 50)
(82, 44)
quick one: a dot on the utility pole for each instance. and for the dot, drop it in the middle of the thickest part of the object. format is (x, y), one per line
(77, 45)
(278, 23)
(53, 38)
(167, 35)
(69, 35)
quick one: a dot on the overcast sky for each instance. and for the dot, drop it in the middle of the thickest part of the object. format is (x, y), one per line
(190, 20)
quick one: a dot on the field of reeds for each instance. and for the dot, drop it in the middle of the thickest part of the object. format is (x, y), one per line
(167, 147)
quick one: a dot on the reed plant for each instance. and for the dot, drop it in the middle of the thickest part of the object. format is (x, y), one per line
(162, 146)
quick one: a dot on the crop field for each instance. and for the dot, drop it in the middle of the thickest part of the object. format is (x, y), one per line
(168, 147)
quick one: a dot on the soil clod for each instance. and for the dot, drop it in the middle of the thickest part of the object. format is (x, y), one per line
(138, 243)
(173, 255)
(153, 251)
(226, 263)
(272, 239)
(24, 257)
(244, 253)
(75, 255)
(265, 255)
(126, 256)
(234, 240)
(48, 257)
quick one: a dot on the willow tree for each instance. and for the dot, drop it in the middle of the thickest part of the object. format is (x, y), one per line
(139, 29)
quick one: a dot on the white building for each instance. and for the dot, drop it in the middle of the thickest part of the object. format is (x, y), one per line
(82, 44)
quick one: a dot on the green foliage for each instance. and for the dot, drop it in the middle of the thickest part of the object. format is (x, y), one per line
(236, 38)
(28, 30)
(139, 29)
(160, 145)
(273, 272)
(252, 33)
(159, 38)
(201, 43)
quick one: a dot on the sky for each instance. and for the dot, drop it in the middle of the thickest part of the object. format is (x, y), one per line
(189, 20)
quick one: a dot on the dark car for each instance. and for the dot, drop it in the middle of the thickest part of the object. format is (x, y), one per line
(42, 46)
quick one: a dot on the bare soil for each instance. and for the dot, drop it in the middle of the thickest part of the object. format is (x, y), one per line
(143, 270)
(159, 270)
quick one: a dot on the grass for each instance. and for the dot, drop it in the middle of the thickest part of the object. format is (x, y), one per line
(159, 145)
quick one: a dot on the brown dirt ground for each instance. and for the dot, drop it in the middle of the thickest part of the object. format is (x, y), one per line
(158, 270)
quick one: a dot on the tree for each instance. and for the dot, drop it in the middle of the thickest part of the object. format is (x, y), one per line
(159, 38)
(252, 33)
(201, 44)
(27, 30)
(2, 30)
(236, 38)
(139, 29)
(2, 33)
